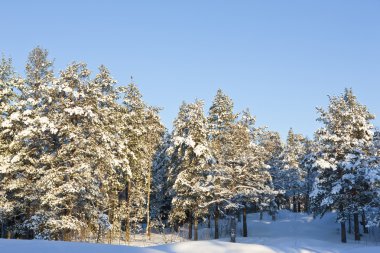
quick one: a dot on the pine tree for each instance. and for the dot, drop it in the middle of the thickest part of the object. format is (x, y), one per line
(346, 135)
(79, 187)
(191, 158)
(69, 149)
(310, 170)
(220, 122)
(290, 175)
(161, 198)
(273, 147)
(9, 83)
(33, 141)
(144, 131)
(252, 183)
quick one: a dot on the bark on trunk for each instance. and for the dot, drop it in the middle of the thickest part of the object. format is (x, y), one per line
(99, 233)
(233, 229)
(294, 204)
(112, 210)
(148, 207)
(127, 218)
(261, 215)
(307, 209)
(176, 229)
(190, 227)
(209, 221)
(356, 227)
(216, 217)
(343, 232)
(364, 223)
(195, 229)
(349, 224)
(3, 228)
(245, 230)
(342, 227)
(299, 204)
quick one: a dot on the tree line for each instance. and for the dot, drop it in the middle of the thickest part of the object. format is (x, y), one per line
(81, 157)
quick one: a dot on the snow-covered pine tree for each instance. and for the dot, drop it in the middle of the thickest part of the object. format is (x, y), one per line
(80, 185)
(346, 135)
(273, 146)
(32, 144)
(191, 158)
(251, 180)
(376, 143)
(310, 172)
(8, 97)
(144, 130)
(161, 198)
(271, 142)
(289, 176)
(70, 144)
(371, 175)
(220, 122)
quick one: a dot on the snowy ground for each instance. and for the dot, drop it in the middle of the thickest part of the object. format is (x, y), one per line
(294, 233)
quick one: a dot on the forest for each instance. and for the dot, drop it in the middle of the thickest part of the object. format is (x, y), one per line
(82, 156)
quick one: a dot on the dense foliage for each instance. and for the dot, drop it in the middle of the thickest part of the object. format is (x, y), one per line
(84, 157)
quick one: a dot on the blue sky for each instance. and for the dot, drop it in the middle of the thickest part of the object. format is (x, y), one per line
(279, 58)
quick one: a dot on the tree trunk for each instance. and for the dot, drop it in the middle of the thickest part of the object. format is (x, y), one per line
(216, 217)
(307, 201)
(99, 233)
(238, 216)
(245, 230)
(307, 209)
(364, 223)
(111, 217)
(349, 224)
(190, 227)
(176, 229)
(356, 226)
(233, 229)
(148, 206)
(342, 227)
(195, 229)
(127, 218)
(3, 228)
(209, 221)
(273, 217)
(343, 232)
(294, 204)
(261, 215)
(299, 204)
(278, 202)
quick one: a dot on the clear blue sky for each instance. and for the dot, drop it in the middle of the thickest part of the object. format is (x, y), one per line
(279, 58)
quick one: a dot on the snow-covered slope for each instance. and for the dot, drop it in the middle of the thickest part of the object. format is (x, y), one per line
(294, 233)
(40, 246)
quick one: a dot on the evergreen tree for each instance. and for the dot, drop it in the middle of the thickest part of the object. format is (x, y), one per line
(9, 83)
(290, 174)
(161, 200)
(69, 147)
(191, 159)
(220, 123)
(346, 135)
(144, 131)
(251, 181)
(310, 170)
(32, 143)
